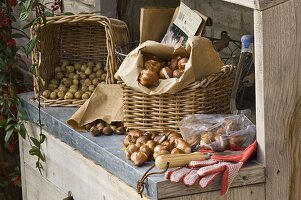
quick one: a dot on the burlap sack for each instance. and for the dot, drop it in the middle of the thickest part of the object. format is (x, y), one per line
(203, 61)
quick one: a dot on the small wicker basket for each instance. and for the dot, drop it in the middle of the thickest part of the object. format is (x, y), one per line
(77, 38)
(163, 112)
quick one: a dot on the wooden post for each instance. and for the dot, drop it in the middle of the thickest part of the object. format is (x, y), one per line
(22, 168)
(278, 81)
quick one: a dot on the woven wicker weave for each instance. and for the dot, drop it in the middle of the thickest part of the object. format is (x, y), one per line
(77, 38)
(162, 112)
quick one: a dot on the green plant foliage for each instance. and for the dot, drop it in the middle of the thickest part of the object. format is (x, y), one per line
(13, 116)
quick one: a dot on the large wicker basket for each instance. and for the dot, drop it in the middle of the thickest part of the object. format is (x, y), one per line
(163, 112)
(77, 38)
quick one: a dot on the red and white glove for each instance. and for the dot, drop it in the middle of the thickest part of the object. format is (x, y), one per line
(205, 172)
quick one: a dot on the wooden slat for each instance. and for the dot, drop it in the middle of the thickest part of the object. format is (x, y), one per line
(278, 89)
(252, 192)
(60, 170)
(68, 170)
(24, 186)
(248, 175)
(39, 188)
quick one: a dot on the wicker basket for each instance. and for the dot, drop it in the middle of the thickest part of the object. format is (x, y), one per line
(77, 38)
(162, 112)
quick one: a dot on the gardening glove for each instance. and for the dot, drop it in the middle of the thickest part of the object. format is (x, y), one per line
(205, 172)
(229, 165)
(178, 174)
(228, 171)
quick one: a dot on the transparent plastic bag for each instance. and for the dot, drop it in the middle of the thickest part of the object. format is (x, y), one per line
(218, 132)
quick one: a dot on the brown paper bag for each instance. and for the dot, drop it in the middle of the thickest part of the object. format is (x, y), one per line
(105, 103)
(154, 22)
(203, 61)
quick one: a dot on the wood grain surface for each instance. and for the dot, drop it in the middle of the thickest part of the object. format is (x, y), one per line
(247, 176)
(251, 192)
(22, 168)
(278, 73)
(39, 188)
(68, 170)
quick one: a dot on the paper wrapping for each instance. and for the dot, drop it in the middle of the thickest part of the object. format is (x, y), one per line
(154, 22)
(203, 61)
(105, 103)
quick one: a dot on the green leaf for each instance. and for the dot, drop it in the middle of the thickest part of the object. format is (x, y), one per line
(22, 131)
(24, 13)
(13, 18)
(28, 4)
(39, 166)
(3, 123)
(25, 9)
(23, 116)
(7, 52)
(9, 126)
(44, 20)
(30, 45)
(34, 151)
(33, 22)
(17, 35)
(10, 119)
(48, 14)
(68, 13)
(8, 135)
(42, 157)
(35, 141)
(43, 138)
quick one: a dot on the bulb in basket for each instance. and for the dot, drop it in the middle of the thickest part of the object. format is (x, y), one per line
(141, 146)
(161, 69)
(75, 80)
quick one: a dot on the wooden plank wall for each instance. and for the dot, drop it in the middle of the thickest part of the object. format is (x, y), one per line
(278, 74)
(66, 170)
(251, 192)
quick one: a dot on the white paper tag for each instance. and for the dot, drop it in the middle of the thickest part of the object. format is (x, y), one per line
(187, 20)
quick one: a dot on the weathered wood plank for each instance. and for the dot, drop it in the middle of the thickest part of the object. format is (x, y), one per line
(39, 188)
(70, 171)
(61, 159)
(252, 192)
(248, 175)
(278, 73)
(22, 168)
